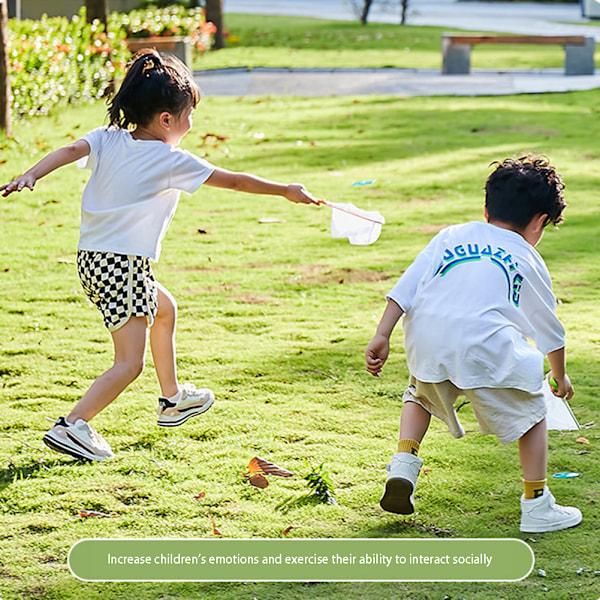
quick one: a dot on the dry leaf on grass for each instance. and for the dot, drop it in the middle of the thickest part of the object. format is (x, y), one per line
(94, 513)
(215, 530)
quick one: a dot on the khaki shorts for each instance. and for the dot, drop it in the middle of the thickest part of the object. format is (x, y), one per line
(506, 413)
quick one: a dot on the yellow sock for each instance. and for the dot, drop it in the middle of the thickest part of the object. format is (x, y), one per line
(534, 489)
(410, 446)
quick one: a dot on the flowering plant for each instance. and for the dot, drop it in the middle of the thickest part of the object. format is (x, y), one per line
(57, 61)
(167, 22)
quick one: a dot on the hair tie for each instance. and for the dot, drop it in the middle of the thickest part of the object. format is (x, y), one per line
(148, 66)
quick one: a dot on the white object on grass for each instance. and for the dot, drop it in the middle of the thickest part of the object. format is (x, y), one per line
(559, 415)
(361, 227)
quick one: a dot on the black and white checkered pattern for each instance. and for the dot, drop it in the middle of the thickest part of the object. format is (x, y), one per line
(120, 286)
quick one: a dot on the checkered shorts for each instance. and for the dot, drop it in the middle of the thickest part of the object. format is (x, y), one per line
(120, 286)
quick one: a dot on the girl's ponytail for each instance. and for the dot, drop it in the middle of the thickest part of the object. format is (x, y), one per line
(152, 84)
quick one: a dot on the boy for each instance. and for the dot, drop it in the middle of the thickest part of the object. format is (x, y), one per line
(472, 300)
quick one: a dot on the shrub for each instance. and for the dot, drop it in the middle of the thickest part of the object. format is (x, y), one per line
(174, 20)
(58, 61)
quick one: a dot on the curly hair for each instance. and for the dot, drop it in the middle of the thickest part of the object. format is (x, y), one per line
(518, 189)
(152, 84)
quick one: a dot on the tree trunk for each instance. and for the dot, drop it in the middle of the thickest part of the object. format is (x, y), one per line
(404, 11)
(5, 95)
(97, 9)
(214, 14)
(365, 12)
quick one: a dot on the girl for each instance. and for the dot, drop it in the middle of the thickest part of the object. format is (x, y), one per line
(137, 175)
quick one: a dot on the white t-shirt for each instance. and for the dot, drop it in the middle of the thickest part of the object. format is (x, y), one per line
(133, 191)
(473, 298)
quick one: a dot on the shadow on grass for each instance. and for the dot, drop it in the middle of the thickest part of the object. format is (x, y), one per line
(31, 469)
(404, 528)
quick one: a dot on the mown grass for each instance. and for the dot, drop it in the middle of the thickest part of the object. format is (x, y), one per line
(275, 317)
(259, 41)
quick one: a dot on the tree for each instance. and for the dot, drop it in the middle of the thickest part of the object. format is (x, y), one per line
(5, 95)
(362, 8)
(214, 14)
(97, 9)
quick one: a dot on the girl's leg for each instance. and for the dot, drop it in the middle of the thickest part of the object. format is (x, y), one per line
(533, 452)
(162, 342)
(130, 345)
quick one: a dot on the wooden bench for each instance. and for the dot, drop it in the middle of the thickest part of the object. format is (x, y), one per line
(456, 50)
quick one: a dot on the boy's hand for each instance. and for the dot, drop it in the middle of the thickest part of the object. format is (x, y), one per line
(18, 183)
(377, 353)
(563, 388)
(297, 193)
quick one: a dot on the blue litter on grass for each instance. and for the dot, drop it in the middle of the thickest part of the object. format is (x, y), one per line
(365, 182)
(565, 475)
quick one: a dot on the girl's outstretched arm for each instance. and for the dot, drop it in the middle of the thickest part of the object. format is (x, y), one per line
(244, 182)
(54, 160)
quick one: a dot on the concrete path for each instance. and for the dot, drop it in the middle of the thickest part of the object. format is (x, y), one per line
(532, 18)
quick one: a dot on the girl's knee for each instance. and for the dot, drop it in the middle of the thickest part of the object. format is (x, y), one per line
(131, 369)
(167, 308)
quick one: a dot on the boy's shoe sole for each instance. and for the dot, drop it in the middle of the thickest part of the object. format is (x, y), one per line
(397, 496)
(186, 413)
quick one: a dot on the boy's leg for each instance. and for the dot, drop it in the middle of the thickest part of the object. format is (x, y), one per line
(414, 422)
(539, 511)
(177, 403)
(405, 465)
(533, 453)
(73, 435)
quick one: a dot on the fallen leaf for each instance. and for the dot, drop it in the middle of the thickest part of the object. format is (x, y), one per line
(287, 530)
(208, 136)
(582, 440)
(215, 530)
(94, 513)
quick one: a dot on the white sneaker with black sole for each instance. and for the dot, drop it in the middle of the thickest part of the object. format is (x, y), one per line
(188, 403)
(543, 514)
(403, 472)
(79, 440)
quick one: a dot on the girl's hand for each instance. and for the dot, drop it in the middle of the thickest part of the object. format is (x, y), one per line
(18, 183)
(563, 388)
(297, 193)
(377, 353)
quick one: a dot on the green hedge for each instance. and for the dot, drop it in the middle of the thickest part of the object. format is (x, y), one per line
(58, 61)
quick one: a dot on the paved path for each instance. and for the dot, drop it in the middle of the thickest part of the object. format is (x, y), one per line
(532, 18)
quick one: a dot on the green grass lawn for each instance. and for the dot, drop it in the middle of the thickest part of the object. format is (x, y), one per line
(258, 41)
(275, 318)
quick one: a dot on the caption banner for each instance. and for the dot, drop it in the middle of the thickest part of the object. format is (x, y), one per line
(301, 560)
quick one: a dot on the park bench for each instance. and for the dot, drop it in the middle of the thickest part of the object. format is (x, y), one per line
(456, 50)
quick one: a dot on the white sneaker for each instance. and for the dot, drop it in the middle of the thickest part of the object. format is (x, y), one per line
(543, 514)
(401, 483)
(79, 440)
(188, 403)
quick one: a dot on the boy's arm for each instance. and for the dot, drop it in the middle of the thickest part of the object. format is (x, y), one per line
(54, 160)
(244, 182)
(557, 362)
(379, 347)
